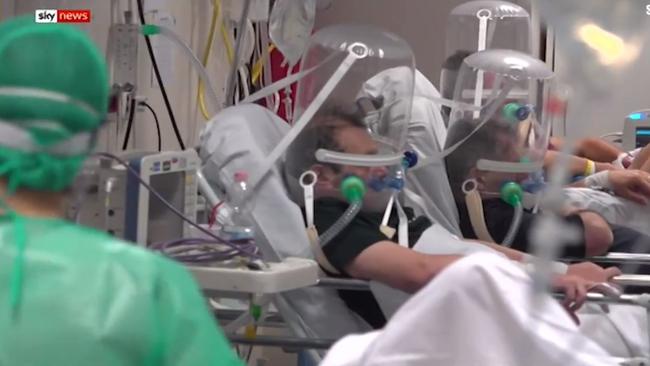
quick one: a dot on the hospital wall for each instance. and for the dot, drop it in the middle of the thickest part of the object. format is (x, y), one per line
(628, 91)
(191, 21)
(422, 23)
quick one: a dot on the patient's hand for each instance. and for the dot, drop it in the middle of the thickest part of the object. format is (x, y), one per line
(605, 166)
(631, 184)
(575, 292)
(592, 272)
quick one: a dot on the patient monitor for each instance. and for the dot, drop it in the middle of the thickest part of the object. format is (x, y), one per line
(114, 200)
(636, 130)
(173, 175)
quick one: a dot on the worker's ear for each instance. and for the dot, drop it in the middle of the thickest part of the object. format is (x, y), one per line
(327, 178)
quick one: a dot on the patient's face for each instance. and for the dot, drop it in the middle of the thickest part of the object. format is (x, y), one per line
(356, 140)
(506, 150)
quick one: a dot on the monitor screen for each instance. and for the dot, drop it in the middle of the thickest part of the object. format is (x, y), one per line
(642, 136)
(164, 225)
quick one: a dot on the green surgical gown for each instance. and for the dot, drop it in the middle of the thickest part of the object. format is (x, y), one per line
(89, 299)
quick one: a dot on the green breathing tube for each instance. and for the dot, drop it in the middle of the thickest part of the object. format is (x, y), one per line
(512, 194)
(353, 189)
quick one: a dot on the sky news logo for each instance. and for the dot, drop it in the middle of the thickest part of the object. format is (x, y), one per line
(61, 16)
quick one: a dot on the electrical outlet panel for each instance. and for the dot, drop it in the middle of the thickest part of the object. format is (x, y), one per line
(124, 43)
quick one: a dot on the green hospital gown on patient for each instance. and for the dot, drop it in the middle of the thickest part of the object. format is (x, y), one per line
(89, 299)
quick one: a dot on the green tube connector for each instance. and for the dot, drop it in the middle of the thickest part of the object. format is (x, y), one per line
(150, 29)
(353, 189)
(512, 193)
(509, 111)
(256, 311)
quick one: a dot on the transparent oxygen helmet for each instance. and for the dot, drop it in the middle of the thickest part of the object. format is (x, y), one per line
(499, 128)
(482, 25)
(505, 105)
(513, 93)
(345, 132)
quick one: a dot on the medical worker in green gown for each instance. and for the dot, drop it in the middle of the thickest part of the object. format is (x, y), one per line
(71, 295)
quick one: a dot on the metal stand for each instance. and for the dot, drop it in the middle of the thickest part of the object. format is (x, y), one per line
(289, 342)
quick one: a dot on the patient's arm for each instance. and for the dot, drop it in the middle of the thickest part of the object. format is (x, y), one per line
(633, 185)
(512, 254)
(586, 270)
(397, 266)
(577, 165)
(597, 149)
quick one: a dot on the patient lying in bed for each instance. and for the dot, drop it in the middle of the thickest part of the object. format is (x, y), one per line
(362, 251)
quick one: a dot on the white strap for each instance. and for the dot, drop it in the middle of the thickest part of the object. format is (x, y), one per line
(493, 106)
(312, 233)
(306, 116)
(384, 228)
(482, 39)
(387, 212)
(403, 227)
(322, 260)
(483, 16)
(418, 201)
(285, 82)
(476, 217)
(309, 204)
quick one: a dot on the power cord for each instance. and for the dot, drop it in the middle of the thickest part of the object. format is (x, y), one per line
(129, 124)
(163, 91)
(155, 117)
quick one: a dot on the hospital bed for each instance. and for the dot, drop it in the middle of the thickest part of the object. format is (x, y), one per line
(236, 140)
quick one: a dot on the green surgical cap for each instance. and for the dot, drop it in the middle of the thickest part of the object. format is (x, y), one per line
(53, 86)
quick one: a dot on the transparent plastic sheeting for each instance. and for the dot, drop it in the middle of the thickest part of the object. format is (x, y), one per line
(482, 25)
(290, 27)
